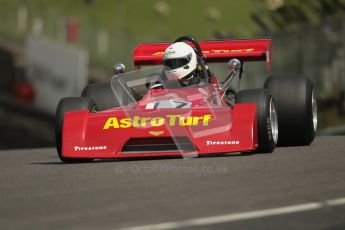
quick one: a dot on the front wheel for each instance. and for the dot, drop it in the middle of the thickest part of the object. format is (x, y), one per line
(70, 104)
(267, 117)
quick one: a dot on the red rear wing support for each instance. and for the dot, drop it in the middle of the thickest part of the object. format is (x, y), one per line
(214, 51)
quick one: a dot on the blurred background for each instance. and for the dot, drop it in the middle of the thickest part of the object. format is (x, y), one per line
(51, 49)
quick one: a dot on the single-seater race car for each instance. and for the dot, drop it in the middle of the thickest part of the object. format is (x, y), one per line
(149, 112)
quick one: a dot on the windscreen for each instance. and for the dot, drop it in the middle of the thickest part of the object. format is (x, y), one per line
(132, 86)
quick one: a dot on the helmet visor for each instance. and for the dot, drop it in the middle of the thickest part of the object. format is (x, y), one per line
(174, 63)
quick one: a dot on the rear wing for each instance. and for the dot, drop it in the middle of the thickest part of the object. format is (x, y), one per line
(214, 51)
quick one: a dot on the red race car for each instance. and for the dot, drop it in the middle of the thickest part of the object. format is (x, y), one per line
(181, 109)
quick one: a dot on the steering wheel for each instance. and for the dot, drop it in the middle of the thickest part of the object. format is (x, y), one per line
(201, 57)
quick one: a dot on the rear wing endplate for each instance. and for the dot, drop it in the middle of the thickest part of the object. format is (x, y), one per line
(214, 51)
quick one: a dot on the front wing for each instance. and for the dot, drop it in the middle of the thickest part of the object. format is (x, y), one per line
(122, 133)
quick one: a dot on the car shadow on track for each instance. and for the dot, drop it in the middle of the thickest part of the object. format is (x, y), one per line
(157, 158)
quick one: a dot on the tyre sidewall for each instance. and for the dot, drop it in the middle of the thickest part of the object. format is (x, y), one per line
(69, 104)
(293, 95)
(262, 99)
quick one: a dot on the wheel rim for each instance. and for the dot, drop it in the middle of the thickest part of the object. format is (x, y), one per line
(274, 120)
(314, 110)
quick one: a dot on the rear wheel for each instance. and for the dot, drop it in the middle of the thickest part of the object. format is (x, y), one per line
(297, 108)
(267, 120)
(70, 104)
(105, 98)
(101, 94)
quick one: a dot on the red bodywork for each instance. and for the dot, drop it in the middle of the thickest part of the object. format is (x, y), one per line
(137, 131)
(214, 51)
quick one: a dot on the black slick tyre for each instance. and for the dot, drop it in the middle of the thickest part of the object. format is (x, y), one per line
(297, 108)
(101, 94)
(70, 104)
(267, 121)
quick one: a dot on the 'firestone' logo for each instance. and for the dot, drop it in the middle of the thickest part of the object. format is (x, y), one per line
(171, 120)
(89, 148)
(222, 142)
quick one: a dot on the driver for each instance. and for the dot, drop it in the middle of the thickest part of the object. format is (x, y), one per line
(180, 62)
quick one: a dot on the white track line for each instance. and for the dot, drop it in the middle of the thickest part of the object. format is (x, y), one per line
(241, 216)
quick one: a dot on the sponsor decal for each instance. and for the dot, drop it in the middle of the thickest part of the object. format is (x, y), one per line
(215, 51)
(156, 133)
(222, 143)
(89, 148)
(169, 104)
(171, 120)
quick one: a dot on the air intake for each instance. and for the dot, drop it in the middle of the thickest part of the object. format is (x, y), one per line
(158, 144)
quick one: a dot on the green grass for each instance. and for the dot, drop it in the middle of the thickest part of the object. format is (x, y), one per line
(141, 18)
(129, 22)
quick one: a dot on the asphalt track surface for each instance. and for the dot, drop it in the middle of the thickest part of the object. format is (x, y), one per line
(292, 188)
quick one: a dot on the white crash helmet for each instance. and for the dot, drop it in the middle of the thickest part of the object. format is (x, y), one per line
(179, 60)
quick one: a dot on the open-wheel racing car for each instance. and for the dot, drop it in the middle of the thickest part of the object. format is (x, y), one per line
(154, 112)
